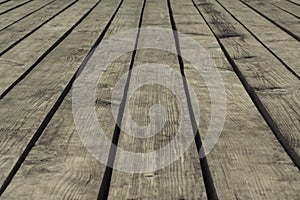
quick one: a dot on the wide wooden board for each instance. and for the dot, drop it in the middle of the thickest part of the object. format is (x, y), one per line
(17, 32)
(247, 161)
(283, 20)
(11, 5)
(181, 179)
(34, 103)
(20, 13)
(16, 63)
(278, 42)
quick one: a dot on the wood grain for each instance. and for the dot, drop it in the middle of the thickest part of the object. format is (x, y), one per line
(287, 7)
(10, 5)
(14, 34)
(256, 57)
(265, 76)
(4, 1)
(283, 20)
(37, 100)
(247, 161)
(17, 61)
(295, 2)
(181, 179)
(279, 43)
(21, 13)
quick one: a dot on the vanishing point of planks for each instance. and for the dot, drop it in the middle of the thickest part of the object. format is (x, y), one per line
(255, 46)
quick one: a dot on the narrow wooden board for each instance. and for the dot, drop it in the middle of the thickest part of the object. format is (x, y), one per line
(35, 99)
(247, 162)
(283, 20)
(80, 174)
(279, 42)
(295, 2)
(16, 62)
(21, 13)
(14, 34)
(275, 87)
(10, 5)
(181, 179)
(287, 7)
(4, 1)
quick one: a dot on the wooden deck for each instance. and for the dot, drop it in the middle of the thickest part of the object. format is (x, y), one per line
(255, 46)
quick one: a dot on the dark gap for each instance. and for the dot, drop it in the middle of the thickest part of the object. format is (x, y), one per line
(273, 126)
(287, 12)
(46, 53)
(53, 110)
(293, 2)
(278, 58)
(207, 178)
(26, 15)
(275, 23)
(4, 2)
(35, 29)
(106, 180)
(17, 6)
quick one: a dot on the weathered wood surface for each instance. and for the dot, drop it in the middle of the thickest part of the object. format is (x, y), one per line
(251, 44)
(282, 45)
(4, 1)
(247, 157)
(44, 85)
(17, 32)
(16, 62)
(267, 78)
(287, 7)
(283, 20)
(11, 5)
(295, 2)
(20, 13)
(181, 179)
(61, 136)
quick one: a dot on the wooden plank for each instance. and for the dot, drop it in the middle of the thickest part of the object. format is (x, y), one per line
(17, 15)
(4, 1)
(287, 7)
(16, 33)
(17, 62)
(283, 20)
(269, 82)
(181, 179)
(247, 162)
(284, 47)
(80, 174)
(36, 98)
(295, 2)
(11, 5)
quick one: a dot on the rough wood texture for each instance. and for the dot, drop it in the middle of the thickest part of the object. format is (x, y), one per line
(14, 34)
(287, 7)
(181, 179)
(22, 12)
(16, 62)
(254, 45)
(247, 159)
(43, 86)
(279, 42)
(283, 20)
(267, 78)
(4, 1)
(11, 5)
(295, 2)
(80, 174)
